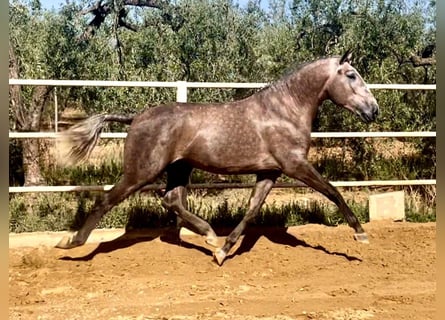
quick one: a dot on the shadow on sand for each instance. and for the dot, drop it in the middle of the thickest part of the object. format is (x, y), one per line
(278, 235)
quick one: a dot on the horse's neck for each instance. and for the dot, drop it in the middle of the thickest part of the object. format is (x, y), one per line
(298, 96)
(308, 84)
(276, 102)
(307, 88)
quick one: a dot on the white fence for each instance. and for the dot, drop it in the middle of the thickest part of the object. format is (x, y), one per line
(181, 96)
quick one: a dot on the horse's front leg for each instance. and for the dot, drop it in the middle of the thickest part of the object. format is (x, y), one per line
(305, 172)
(260, 191)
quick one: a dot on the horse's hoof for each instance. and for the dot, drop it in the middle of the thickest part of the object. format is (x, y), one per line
(213, 241)
(219, 255)
(361, 237)
(67, 242)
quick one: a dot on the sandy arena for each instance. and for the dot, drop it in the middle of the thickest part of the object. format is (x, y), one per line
(306, 272)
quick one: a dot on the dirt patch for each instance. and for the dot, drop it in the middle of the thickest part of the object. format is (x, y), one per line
(307, 272)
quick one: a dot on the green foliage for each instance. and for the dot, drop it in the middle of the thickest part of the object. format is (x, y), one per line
(56, 212)
(40, 212)
(362, 159)
(107, 172)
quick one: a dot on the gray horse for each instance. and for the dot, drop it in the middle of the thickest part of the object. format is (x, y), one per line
(266, 134)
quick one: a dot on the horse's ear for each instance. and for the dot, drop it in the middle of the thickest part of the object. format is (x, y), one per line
(347, 57)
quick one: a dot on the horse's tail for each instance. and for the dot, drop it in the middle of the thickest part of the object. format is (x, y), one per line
(78, 141)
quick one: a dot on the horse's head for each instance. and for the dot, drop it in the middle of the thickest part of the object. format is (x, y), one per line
(345, 87)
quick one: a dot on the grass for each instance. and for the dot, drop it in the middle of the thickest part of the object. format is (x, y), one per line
(62, 211)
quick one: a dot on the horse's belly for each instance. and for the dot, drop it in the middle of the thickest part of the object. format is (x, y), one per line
(240, 163)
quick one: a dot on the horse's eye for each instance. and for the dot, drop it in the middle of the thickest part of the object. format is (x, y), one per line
(351, 75)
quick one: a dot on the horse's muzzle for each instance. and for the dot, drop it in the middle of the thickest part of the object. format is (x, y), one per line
(369, 113)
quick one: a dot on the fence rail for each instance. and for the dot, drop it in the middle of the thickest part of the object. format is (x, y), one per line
(381, 134)
(182, 86)
(369, 183)
(181, 96)
(176, 84)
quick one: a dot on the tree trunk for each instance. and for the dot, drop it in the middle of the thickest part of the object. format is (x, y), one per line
(31, 163)
(27, 117)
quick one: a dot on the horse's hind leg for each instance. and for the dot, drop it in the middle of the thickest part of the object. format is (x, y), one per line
(260, 191)
(111, 198)
(173, 201)
(178, 175)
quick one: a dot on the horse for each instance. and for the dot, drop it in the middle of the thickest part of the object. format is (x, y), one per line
(266, 134)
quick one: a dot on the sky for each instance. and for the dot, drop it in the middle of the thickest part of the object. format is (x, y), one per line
(48, 4)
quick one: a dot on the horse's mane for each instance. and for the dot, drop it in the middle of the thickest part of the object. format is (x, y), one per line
(291, 72)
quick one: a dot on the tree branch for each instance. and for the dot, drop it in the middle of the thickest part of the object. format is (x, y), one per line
(424, 59)
(418, 61)
(122, 23)
(159, 4)
(102, 8)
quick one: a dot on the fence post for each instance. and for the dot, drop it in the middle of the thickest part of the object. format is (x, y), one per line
(56, 111)
(181, 91)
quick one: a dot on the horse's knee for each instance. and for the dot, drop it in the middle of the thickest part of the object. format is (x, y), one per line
(167, 203)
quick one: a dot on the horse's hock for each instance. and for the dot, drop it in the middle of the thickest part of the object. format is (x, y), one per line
(387, 206)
